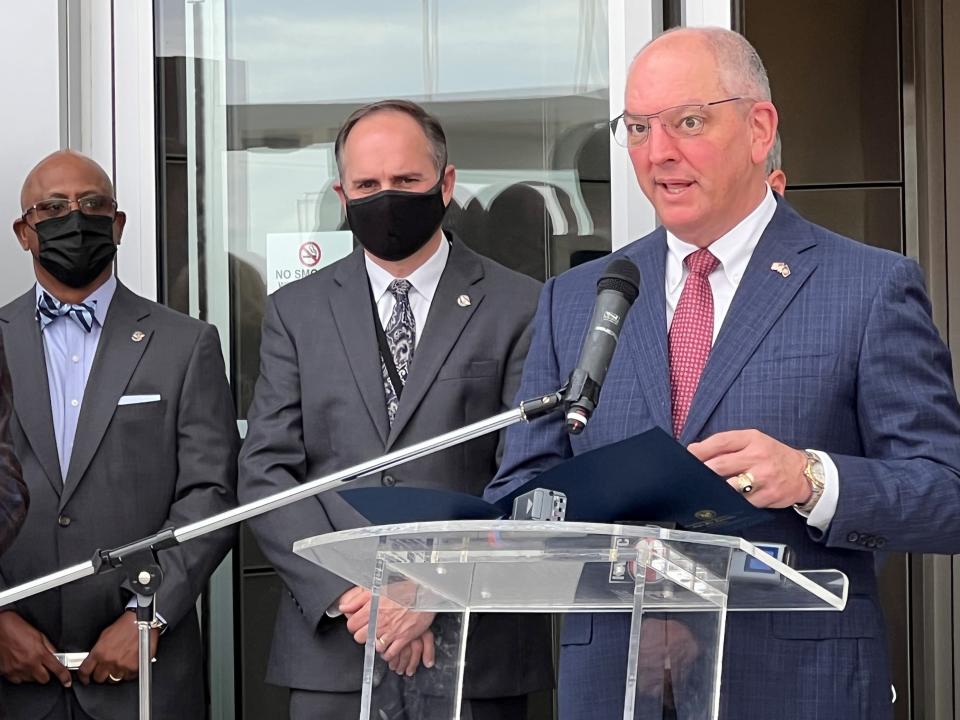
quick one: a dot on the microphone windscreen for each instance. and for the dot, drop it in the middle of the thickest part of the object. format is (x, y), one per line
(623, 276)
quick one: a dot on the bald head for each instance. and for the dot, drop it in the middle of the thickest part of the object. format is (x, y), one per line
(64, 173)
(739, 69)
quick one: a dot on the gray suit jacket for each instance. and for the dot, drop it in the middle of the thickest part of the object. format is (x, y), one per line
(135, 469)
(319, 407)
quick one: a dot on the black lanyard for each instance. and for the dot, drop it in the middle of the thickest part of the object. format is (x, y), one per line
(385, 353)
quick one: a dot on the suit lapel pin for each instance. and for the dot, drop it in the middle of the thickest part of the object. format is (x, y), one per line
(782, 268)
(137, 336)
(463, 301)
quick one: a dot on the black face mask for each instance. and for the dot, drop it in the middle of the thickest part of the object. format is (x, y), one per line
(76, 248)
(394, 224)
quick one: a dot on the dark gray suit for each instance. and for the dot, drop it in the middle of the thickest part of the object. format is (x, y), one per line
(134, 469)
(319, 407)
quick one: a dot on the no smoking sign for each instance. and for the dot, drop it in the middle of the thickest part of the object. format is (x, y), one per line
(309, 254)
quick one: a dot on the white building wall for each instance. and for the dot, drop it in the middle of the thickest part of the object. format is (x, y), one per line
(69, 64)
(30, 124)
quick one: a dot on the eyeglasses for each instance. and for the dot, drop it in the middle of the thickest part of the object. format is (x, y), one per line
(681, 121)
(100, 205)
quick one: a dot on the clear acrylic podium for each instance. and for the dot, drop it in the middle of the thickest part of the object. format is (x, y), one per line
(678, 587)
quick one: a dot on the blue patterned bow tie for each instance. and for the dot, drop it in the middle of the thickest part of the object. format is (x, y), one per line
(49, 309)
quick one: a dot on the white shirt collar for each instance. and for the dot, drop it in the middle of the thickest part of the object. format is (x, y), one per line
(101, 296)
(424, 280)
(733, 250)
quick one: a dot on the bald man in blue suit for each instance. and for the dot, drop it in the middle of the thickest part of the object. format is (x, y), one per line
(825, 393)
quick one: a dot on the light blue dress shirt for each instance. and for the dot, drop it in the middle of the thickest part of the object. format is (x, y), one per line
(69, 351)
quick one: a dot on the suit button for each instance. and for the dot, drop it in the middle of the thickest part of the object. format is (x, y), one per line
(871, 542)
(853, 537)
(63, 521)
(388, 481)
(881, 541)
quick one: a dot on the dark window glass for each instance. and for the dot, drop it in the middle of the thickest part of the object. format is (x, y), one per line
(870, 215)
(835, 73)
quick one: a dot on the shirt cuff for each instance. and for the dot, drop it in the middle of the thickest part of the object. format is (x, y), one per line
(822, 514)
(132, 605)
(333, 612)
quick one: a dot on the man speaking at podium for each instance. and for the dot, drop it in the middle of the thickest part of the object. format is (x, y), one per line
(407, 338)
(802, 366)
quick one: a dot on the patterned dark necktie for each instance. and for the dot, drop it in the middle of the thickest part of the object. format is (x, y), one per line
(401, 332)
(49, 309)
(691, 334)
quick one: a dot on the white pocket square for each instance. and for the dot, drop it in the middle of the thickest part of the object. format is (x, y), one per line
(138, 399)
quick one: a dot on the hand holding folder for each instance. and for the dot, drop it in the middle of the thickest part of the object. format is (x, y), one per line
(646, 478)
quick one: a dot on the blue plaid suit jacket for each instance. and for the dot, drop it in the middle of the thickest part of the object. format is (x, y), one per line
(840, 356)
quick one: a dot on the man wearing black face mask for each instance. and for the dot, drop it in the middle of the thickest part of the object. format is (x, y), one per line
(409, 337)
(124, 423)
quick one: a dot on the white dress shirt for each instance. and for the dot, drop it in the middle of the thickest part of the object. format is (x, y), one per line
(734, 251)
(423, 286)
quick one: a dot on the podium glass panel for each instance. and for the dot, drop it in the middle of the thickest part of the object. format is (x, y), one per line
(676, 586)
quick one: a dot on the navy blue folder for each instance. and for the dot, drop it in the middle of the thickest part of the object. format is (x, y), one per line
(646, 478)
(389, 505)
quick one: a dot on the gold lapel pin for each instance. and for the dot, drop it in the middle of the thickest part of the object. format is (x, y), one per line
(463, 301)
(782, 268)
(137, 336)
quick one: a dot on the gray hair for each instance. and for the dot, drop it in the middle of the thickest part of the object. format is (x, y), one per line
(774, 159)
(739, 66)
(436, 138)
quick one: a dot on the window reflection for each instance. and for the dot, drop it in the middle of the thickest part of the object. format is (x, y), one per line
(840, 105)
(519, 86)
(250, 97)
(292, 52)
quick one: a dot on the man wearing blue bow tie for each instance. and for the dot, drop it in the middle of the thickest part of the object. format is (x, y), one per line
(124, 424)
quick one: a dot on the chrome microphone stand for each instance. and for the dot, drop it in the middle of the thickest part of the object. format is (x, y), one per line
(138, 560)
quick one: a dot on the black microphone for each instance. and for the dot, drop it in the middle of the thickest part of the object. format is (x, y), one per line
(617, 288)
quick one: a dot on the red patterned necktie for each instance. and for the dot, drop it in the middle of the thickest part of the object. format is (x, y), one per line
(691, 334)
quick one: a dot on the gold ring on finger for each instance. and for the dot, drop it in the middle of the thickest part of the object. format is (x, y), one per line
(745, 482)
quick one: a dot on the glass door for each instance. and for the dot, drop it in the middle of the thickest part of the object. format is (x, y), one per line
(249, 97)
